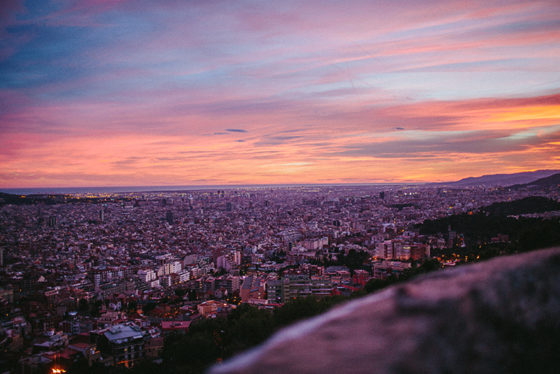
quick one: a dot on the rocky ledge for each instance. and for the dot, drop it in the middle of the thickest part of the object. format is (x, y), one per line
(502, 315)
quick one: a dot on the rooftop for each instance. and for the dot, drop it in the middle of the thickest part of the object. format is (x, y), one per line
(122, 333)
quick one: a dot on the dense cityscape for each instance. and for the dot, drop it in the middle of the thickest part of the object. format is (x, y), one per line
(102, 280)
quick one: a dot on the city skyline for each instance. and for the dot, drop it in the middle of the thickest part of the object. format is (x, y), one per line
(100, 93)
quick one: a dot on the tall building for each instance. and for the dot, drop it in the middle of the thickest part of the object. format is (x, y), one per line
(169, 217)
(123, 344)
(296, 286)
(237, 258)
(275, 290)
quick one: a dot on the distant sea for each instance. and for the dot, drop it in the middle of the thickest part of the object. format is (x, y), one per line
(125, 189)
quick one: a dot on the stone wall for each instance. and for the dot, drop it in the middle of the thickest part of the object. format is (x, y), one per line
(502, 315)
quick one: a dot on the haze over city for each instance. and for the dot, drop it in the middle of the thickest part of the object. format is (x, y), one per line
(112, 93)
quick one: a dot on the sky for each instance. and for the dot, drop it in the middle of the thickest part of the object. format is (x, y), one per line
(122, 93)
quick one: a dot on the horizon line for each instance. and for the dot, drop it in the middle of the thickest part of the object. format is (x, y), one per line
(234, 185)
(217, 186)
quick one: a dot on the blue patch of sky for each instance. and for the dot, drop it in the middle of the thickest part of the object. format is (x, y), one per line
(45, 59)
(35, 9)
(58, 53)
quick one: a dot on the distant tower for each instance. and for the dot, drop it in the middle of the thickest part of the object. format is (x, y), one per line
(1, 257)
(169, 217)
(382, 195)
(237, 258)
(52, 221)
(452, 236)
(101, 216)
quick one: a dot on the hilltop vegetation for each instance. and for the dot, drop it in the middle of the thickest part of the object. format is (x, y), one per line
(493, 231)
(531, 204)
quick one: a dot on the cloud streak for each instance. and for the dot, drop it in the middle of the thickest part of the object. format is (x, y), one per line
(113, 93)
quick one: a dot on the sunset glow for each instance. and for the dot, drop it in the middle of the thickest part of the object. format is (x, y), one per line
(108, 93)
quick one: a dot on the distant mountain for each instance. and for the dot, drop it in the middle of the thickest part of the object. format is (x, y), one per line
(502, 180)
(553, 180)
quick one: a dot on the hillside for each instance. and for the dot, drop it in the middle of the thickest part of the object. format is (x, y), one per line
(475, 232)
(531, 204)
(551, 181)
(501, 180)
